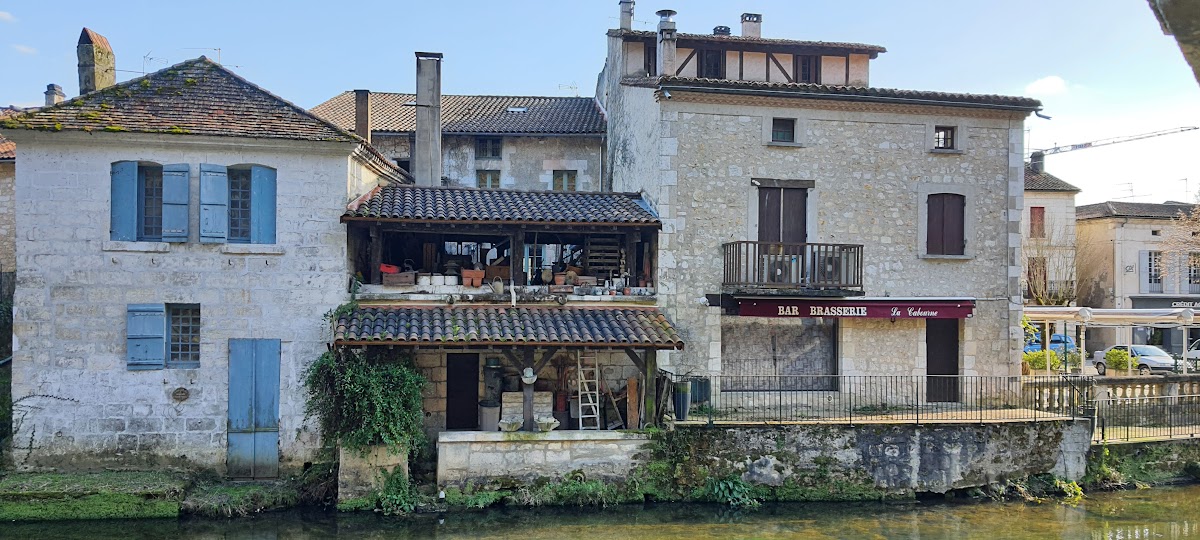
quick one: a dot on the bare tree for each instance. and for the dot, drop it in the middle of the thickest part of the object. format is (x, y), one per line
(1181, 247)
(1050, 265)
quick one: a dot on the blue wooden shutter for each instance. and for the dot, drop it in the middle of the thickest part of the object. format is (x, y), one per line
(262, 205)
(253, 426)
(146, 336)
(176, 192)
(214, 203)
(123, 219)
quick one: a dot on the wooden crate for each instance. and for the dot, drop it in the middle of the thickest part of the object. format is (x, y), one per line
(562, 289)
(400, 278)
(502, 272)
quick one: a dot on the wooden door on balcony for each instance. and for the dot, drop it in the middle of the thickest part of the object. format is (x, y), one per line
(941, 360)
(782, 215)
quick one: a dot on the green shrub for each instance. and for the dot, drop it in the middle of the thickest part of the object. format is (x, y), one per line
(366, 399)
(1074, 359)
(1037, 360)
(1117, 359)
(731, 490)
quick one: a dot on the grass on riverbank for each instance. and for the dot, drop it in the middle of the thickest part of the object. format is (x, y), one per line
(102, 495)
(239, 499)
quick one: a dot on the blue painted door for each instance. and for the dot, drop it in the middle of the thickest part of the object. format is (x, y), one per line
(253, 427)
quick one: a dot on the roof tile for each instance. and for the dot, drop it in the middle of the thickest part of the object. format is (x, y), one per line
(412, 203)
(861, 48)
(1044, 181)
(1132, 209)
(392, 112)
(597, 327)
(196, 97)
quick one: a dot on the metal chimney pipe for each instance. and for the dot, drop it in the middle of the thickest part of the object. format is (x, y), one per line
(666, 42)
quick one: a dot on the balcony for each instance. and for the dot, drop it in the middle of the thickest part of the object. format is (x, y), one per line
(773, 268)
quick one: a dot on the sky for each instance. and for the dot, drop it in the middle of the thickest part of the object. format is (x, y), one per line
(1102, 68)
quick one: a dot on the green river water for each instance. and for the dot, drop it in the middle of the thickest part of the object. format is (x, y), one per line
(1169, 512)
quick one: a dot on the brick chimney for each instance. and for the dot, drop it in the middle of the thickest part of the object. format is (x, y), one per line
(362, 114)
(97, 63)
(427, 150)
(666, 42)
(1037, 162)
(626, 14)
(752, 25)
(54, 95)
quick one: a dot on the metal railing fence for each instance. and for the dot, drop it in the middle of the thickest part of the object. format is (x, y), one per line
(1147, 418)
(854, 399)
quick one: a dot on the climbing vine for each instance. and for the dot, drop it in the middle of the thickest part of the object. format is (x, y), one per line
(364, 399)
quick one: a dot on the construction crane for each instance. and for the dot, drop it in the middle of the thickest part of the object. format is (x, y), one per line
(1113, 140)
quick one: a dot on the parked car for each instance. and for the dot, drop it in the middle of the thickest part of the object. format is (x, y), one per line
(1057, 343)
(1193, 352)
(1146, 358)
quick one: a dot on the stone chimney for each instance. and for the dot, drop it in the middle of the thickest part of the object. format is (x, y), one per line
(752, 25)
(97, 64)
(626, 14)
(1037, 162)
(54, 95)
(427, 149)
(362, 114)
(666, 42)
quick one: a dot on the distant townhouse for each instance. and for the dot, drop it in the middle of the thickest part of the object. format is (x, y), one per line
(178, 243)
(1123, 264)
(1048, 229)
(511, 142)
(813, 224)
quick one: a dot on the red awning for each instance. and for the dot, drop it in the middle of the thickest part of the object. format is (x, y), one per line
(858, 308)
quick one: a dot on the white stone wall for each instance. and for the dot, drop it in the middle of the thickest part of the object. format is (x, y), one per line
(526, 163)
(73, 286)
(869, 167)
(1058, 247)
(477, 457)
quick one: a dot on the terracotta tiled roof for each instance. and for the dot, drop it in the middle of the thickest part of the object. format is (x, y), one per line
(392, 112)
(1168, 210)
(196, 97)
(1044, 181)
(598, 327)
(432, 204)
(8, 149)
(850, 93)
(861, 48)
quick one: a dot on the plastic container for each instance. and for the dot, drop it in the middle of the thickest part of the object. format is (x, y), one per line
(451, 280)
(389, 268)
(438, 279)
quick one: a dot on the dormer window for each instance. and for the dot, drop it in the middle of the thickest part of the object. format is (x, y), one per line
(517, 109)
(943, 138)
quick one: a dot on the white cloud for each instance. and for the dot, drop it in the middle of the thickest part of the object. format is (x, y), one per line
(25, 49)
(7, 17)
(1047, 86)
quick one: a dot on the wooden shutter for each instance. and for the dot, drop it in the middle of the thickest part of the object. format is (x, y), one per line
(145, 336)
(770, 207)
(123, 217)
(176, 192)
(935, 225)
(1143, 271)
(214, 204)
(954, 237)
(262, 205)
(1037, 222)
(794, 216)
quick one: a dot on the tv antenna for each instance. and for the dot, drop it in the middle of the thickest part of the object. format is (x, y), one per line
(217, 49)
(151, 61)
(574, 88)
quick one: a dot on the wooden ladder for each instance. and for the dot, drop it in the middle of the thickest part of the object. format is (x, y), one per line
(589, 390)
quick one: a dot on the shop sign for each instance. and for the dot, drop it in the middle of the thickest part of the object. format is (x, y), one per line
(850, 309)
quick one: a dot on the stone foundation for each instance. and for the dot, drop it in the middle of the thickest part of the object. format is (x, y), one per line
(478, 457)
(362, 475)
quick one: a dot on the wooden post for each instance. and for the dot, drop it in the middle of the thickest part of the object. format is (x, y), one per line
(527, 391)
(631, 404)
(516, 264)
(376, 255)
(651, 387)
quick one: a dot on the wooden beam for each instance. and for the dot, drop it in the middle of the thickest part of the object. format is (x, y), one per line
(376, 254)
(632, 411)
(637, 360)
(545, 359)
(517, 260)
(510, 355)
(651, 387)
(684, 64)
(780, 66)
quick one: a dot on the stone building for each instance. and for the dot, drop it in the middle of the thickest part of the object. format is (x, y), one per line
(1048, 227)
(8, 237)
(1122, 265)
(813, 224)
(178, 242)
(512, 142)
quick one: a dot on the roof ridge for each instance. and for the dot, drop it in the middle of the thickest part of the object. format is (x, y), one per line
(631, 194)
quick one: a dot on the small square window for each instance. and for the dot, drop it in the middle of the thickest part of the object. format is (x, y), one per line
(487, 147)
(1156, 233)
(783, 130)
(943, 138)
(487, 179)
(564, 180)
(184, 335)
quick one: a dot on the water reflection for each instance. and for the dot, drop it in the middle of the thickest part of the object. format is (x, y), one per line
(1159, 513)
